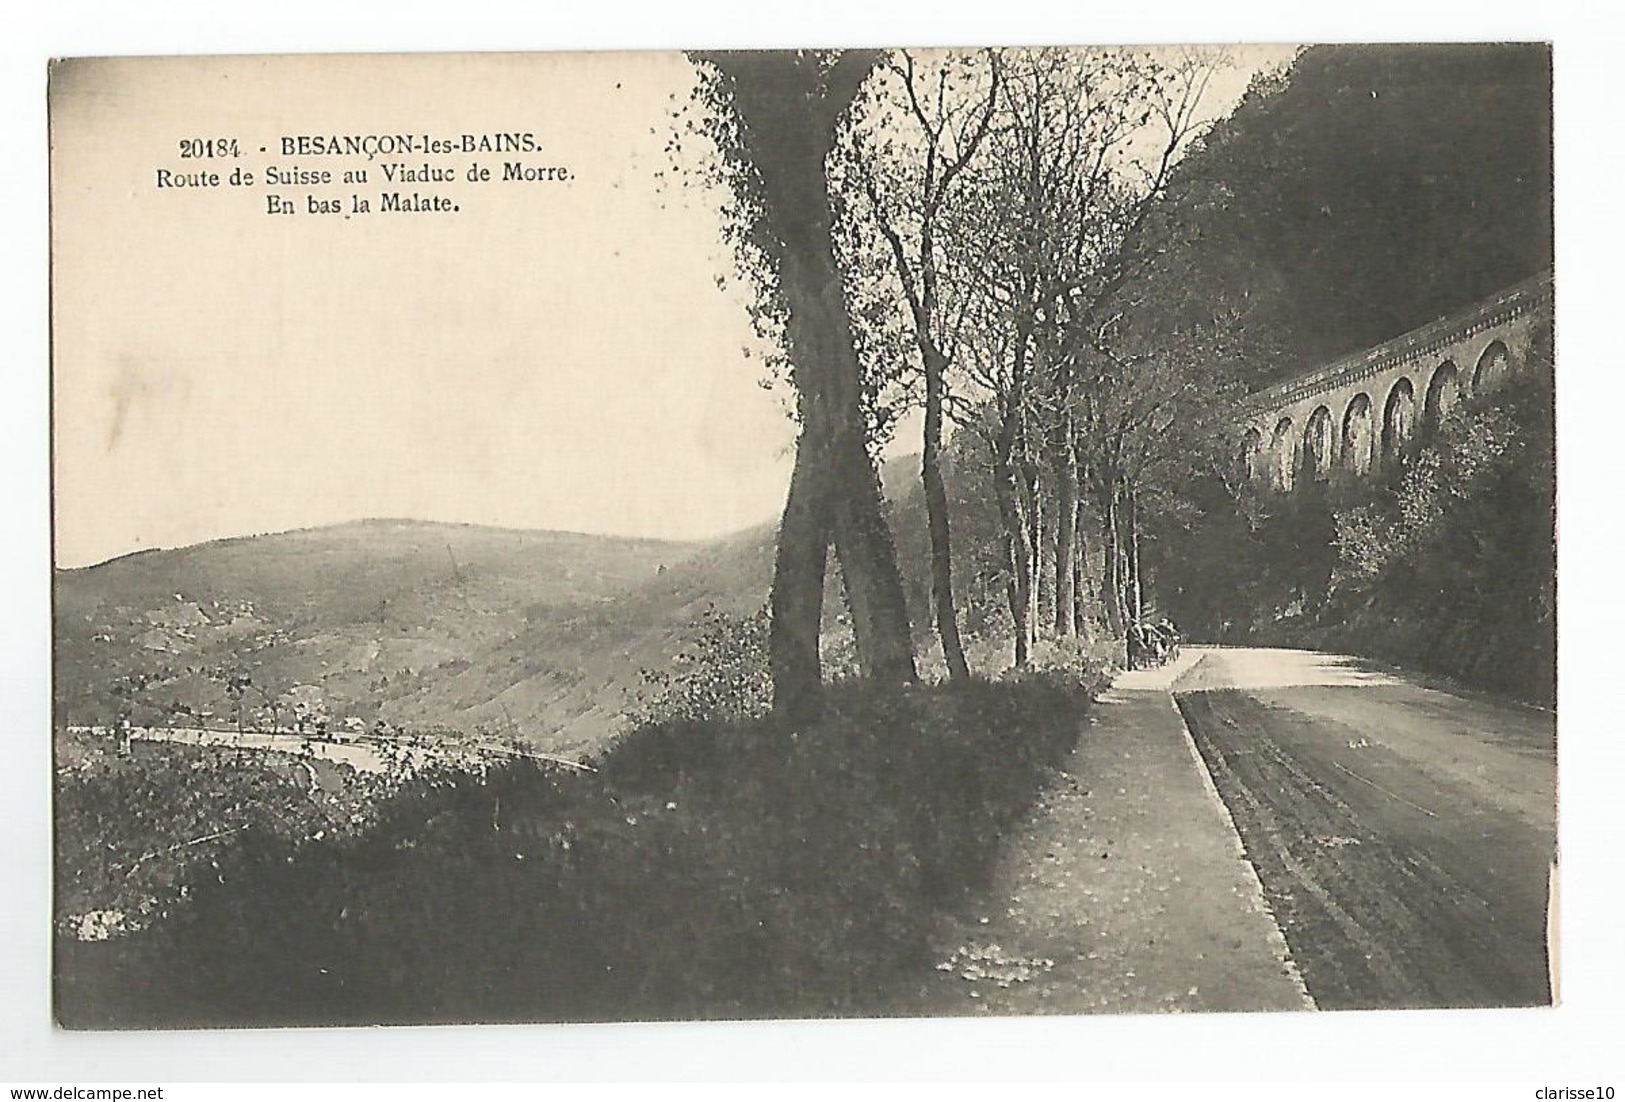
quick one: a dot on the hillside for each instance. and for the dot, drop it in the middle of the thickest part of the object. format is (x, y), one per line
(563, 680)
(543, 635)
(348, 618)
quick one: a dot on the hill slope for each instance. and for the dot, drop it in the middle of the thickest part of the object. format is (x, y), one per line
(562, 681)
(351, 616)
(543, 635)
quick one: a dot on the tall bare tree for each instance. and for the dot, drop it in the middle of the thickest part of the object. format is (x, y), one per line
(1082, 150)
(924, 126)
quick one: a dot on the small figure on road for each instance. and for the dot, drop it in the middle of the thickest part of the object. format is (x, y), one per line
(1164, 645)
(1171, 639)
(1136, 646)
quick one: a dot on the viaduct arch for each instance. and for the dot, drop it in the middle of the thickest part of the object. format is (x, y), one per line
(1362, 413)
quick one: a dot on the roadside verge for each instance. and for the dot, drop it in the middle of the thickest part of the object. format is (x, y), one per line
(1125, 891)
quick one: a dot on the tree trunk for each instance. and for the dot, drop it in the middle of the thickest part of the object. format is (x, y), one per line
(796, 602)
(1034, 546)
(1137, 593)
(874, 584)
(1016, 558)
(1125, 580)
(936, 512)
(1112, 582)
(1080, 545)
(827, 373)
(1009, 461)
(1080, 612)
(1066, 526)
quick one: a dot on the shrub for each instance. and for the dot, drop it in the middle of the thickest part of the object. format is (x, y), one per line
(129, 827)
(721, 674)
(719, 869)
(1455, 571)
(1081, 666)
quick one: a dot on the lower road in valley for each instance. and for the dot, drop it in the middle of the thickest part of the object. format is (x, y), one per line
(1404, 833)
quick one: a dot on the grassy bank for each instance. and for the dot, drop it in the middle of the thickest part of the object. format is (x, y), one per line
(702, 870)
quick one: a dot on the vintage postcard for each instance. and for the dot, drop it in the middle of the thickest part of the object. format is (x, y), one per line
(802, 534)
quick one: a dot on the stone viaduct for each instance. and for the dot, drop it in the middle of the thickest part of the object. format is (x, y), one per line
(1365, 410)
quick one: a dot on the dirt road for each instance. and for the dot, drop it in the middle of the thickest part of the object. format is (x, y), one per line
(1404, 834)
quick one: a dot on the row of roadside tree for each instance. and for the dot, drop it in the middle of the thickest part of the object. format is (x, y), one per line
(1072, 262)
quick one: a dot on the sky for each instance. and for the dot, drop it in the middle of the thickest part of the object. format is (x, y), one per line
(551, 355)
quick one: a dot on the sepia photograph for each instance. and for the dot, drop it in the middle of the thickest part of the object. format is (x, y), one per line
(646, 536)
(802, 534)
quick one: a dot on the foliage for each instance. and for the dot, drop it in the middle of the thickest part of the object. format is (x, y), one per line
(131, 829)
(910, 136)
(1082, 666)
(1367, 191)
(1455, 570)
(710, 150)
(716, 869)
(720, 674)
(1234, 562)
